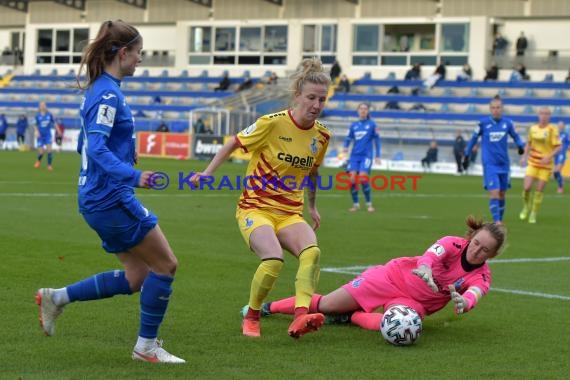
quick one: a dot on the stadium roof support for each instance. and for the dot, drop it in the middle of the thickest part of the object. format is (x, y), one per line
(75, 4)
(206, 3)
(19, 5)
(135, 3)
(276, 2)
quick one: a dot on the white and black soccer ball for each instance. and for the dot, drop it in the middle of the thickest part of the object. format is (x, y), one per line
(401, 325)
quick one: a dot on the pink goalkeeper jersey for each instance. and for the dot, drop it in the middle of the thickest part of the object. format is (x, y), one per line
(444, 257)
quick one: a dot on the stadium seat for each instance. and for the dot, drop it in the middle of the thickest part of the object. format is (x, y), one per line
(391, 76)
(557, 110)
(398, 156)
(184, 73)
(529, 93)
(444, 107)
(548, 78)
(204, 74)
(528, 109)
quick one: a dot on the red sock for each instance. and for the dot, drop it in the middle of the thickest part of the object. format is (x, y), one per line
(368, 321)
(287, 305)
(252, 314)
(300, 311)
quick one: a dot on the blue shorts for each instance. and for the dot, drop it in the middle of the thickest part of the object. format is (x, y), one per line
(496, 181)
(44, 140)
(560, 159)
(122, 227)
(359, 164)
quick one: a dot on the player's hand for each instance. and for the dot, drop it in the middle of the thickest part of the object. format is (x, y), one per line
(143, 181)
(424, 272)
(316, 218)
(521, 151)
(459, 302)
(195, 179)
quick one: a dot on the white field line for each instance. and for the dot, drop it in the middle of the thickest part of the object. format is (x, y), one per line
(355, 270)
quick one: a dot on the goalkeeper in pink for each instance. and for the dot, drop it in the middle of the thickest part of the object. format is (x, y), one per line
(452, 269)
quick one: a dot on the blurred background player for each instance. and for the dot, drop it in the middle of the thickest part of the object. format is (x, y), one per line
(3, 129)
(452, 269)
(542, 145)
(107, 200)
(363, 135)
(59, 130)
(44, 124)
(560, 158)
(494, 131)
(269, 213)
(21, 127)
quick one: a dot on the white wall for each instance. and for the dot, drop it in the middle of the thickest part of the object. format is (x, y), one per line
(541, 34)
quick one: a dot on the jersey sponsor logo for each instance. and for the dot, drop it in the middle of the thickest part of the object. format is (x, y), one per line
(360, 134)
(436, 249)
(286, 139)
(109, 96)
(276, 115)
(249, 130)
(496, 136)
(296, 161)
(106, 115)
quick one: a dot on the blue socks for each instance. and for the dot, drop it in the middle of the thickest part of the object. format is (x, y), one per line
(495, 208)
(502, 208)
(559, 179)
(102, 285)
(155, 294)
(366, 191)
(50, 158)
(354, 194)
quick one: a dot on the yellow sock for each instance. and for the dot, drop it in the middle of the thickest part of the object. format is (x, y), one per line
(526, 199)
(537, 201)
(307, 276)
(263, 280)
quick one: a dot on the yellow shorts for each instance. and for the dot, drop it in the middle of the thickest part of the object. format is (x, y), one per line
(249, 220)
(542, 174)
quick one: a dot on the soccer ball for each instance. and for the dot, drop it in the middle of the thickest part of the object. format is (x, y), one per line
(401, 325)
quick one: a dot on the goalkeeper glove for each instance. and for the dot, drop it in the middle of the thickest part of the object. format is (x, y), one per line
(521, 150)
(424, 272)
(458, 300)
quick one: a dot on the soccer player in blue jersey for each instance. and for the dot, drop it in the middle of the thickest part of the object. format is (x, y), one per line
(3, 129)
(363, 135)
(494, 131)
(107, 200)
(560, 158)
(44, 125)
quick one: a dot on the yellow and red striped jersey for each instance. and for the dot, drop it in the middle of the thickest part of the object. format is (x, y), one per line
(283, 155)
(542, 142)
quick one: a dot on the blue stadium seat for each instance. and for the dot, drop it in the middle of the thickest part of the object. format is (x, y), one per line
(398, 156)
(391, 76)
(184, 73)
(557, 110)
(548, 78)
(528, 109)
(474, 91)
(444, 107)
(164, 73)
(367, 75)
(559, 93)
(471, 108)
(204, 74)
(529, 93)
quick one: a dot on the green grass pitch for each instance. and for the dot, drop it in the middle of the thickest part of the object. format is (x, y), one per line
(520, 330)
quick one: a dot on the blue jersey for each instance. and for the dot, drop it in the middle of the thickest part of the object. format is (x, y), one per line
(45, 123)
(21, 126)
(364, 134)
(3, 124)
(494, 143)
(107, 148)
(560, 158)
